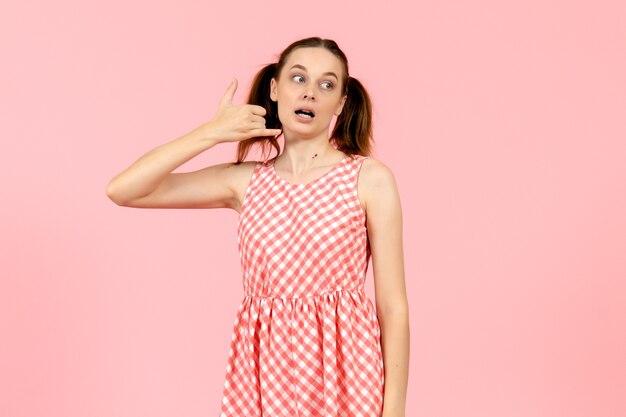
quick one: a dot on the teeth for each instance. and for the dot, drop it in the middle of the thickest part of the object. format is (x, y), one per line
(304, 113)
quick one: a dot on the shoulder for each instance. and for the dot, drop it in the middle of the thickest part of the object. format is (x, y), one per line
(376, 174)
(376, 185)
(240, 176)
(235, 174)
(244, 168)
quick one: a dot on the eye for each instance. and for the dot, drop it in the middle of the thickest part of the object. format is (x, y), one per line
(329, 84)
(297, 75)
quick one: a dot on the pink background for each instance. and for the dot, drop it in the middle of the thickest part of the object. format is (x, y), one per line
(503, 123)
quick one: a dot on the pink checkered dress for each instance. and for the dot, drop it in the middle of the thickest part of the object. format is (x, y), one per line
(306, 338)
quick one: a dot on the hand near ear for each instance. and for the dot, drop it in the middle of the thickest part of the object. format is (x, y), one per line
(236, 122)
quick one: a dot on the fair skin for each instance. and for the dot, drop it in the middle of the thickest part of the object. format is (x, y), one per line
(150, 183)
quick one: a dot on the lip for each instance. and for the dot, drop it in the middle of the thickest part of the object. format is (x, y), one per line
(309, 109)
(302, 118)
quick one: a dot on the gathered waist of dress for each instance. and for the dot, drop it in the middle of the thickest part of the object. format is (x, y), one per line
(331, 293)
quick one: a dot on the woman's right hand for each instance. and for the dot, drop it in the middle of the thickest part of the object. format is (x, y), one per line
(233, 123)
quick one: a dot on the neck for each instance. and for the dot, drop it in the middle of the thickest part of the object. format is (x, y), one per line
(301, 155)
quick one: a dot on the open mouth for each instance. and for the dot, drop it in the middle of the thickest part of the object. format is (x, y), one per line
(305, 113)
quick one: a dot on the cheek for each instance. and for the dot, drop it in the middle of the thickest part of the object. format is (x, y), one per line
(283, 109)
(284, 103)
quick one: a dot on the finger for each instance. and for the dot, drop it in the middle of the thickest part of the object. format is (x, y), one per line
(255, 126)
(266, 132)
(230, 92)
(255, 109)
(258, 119)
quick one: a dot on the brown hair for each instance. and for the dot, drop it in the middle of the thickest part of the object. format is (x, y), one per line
(353, 129)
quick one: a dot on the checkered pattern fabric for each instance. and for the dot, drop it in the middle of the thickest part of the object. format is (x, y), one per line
(306, 338)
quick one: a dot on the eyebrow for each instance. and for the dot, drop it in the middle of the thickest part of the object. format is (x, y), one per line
(303, 68)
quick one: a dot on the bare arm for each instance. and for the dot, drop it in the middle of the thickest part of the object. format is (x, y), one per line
(149, 181)
(384, 223)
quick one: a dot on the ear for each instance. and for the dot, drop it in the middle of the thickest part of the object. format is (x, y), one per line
(340, 106)
(273, 93)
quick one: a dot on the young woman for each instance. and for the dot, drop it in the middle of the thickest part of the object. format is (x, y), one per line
(306, 341)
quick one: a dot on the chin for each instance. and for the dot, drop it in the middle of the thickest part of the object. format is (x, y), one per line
(293, 127)
(302, 133)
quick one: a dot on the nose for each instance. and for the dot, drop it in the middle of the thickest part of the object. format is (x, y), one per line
(308, 93)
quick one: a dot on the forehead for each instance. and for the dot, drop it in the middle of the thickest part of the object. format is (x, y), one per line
(315, 60)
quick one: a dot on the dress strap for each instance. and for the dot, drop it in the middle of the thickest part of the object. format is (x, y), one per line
(359, 163)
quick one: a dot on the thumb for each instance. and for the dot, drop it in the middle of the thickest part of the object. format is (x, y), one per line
(230, 92)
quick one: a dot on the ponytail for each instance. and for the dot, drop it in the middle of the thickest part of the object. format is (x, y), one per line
(260, 95)
(353, 130)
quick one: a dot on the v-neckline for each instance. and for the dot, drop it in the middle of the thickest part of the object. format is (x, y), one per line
(281, 179)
